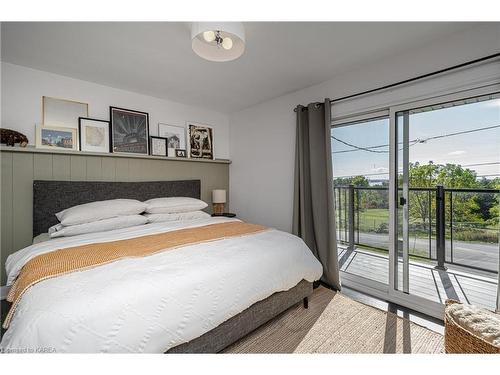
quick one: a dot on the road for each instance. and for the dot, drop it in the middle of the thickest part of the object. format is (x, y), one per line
(482, 255)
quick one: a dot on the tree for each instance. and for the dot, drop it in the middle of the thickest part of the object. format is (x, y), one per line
(450, 176)
(360, 181)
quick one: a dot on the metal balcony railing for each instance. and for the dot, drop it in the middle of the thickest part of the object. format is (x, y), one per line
(443, 223)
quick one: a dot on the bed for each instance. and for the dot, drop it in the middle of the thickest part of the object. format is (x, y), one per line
(199, 298)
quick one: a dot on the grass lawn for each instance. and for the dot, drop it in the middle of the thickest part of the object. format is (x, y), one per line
(371, 219)
(376, 220)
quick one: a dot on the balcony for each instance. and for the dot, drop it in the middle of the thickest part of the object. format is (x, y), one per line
(449, 257)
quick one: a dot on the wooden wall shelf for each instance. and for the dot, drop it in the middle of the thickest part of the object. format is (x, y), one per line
(34, 150)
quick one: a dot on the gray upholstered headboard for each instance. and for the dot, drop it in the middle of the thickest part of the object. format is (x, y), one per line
(50, 197)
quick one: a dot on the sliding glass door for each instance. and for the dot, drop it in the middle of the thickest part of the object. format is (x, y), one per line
(360, 155)
(446, 182)
(417, 189)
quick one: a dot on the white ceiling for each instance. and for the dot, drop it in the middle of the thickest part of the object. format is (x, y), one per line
(156, 58)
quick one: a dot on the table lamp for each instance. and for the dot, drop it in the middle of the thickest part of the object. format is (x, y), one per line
(218, 200)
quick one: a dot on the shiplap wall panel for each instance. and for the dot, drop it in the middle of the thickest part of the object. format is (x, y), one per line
(42, 166)
(94, 168)
(61, 167)
(121, 169)
(6, 209)
(19, 169)
(78, 168)
(108, 169)
(22, 198)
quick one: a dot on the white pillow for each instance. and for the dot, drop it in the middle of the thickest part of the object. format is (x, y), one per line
(174, 205)
(159, 218)
(90, 212)
(105, 225)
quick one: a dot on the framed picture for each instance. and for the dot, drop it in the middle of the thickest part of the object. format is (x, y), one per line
(180, 153)
(176, 137)
(158, 146)
(129, 131)
(62, 113)
(94, 135)
(201, 141)
(54, 137)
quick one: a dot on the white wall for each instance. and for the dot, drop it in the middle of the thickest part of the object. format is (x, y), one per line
(262, 138)
(23, 88)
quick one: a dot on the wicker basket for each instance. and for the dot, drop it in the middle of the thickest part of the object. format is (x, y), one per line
(458, 340)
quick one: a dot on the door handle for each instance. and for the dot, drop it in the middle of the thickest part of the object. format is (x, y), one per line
(402, 201)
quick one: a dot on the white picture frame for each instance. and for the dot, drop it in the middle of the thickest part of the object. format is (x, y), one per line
(176, 137)
(62, 112)
(194, 129)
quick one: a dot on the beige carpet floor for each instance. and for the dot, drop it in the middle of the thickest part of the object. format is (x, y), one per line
(335, 323)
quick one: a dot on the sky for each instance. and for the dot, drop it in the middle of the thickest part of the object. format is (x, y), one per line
(472, 148)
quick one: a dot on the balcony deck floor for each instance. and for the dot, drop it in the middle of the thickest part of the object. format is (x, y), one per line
(425, 280)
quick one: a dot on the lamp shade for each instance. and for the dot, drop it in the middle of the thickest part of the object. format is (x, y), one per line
(218, 196)
(204, 44)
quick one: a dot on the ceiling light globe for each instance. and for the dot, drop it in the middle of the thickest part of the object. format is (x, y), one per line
(209, 36)
(228, 40)
(227, 43)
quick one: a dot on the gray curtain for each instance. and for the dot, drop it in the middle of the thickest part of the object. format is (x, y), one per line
(313, 205)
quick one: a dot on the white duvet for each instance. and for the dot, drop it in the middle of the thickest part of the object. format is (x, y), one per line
(153, 303)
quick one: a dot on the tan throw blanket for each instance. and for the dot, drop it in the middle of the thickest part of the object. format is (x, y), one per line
(78, 258)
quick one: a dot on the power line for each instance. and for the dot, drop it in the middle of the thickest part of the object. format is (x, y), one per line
(478, 164)
(412, 142)
(460, 133)
(358, 148)
(369, 149)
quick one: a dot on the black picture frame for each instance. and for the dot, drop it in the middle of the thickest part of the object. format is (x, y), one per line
(180, 153)
(151, 137)
(92, 119)
(141, 144)
(201, 141)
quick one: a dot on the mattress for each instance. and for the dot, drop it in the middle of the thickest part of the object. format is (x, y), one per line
(154, 303)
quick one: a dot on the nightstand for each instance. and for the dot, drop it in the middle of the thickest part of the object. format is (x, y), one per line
(225, 214)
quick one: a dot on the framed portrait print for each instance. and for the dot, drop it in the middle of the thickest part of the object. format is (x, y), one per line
(129, 131)
(201, 141)
(176, 137)
(158, 146)
(54, 137)
(62, 113)
(94, 135)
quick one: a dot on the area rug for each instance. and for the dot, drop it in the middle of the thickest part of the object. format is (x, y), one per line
(335, 323)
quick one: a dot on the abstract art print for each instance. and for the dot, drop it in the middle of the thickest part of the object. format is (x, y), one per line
(130, 131)
(176, 137)
(56, 138)
(94, 135)
(201, 141)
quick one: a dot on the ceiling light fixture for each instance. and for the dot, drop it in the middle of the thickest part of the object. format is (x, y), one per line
(218, 41)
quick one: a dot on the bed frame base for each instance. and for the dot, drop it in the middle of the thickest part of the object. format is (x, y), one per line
(247, 321)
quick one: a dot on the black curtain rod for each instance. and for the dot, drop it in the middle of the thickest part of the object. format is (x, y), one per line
(485, 58)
